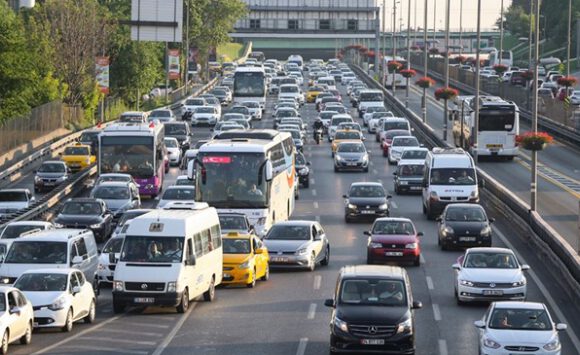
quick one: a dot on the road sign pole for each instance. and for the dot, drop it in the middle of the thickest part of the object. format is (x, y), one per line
(425, 63)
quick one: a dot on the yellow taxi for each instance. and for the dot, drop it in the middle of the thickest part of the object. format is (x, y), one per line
(313, 93)
(78, 156)
(346, 135)
(246, 259)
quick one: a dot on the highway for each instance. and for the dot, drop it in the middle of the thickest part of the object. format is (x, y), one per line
(558, 177)
(286, 315)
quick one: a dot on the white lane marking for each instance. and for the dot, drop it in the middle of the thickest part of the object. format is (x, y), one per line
(123, 331)
(302, 346)
(169, 337)
(313, 192)
(137, 324)
(375, 171)
(79, 334)
(312, 181)
(443, 347)
(309, 154)
(311, 311)
(315, 204)
(124, 341)
(104, 349)
(436, 312)
(422, 259)
(394, 205)
(317, 218)
(570, 331)
(317, 282)
(429, 282)
(380, 181)
(371, 163)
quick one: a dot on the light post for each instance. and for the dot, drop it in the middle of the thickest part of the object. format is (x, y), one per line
(395, 2)
(461, 27)
(473, 135)
(530, 35)
(501, 33)
(569, 38)
(534, 179)
(445, 108)
(408, 52)
(384, 42)
(425, 64)
(434, 20)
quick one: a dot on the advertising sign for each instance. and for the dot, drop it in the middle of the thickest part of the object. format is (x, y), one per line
(173, 64)
(102, 73)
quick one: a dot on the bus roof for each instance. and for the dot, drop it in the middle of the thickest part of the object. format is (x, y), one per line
(137, 129)
(249, 70)
(268, 134)
(243, 145)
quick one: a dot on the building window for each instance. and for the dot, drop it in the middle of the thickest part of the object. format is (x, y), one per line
(292, 24)
(254, 24)
(324, 25)
(352, 25)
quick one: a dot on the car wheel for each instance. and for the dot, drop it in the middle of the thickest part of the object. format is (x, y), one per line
(326, 259)
(417, 261)
(253, 283)
(459, 302)
(346, 219)
(118, 307)
(4, 345)
(184, 304)
(370, 260)
(68, 323)
(306, 184)
(90, 318)
(335, 169)
(312, 263)
(397, 191)
(209, 295)
(27, 337)
(266, 276)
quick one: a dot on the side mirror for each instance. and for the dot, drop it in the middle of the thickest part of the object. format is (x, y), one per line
(439, 219)
(395, 173)
(259, 251)
(389, 197)
(491, 220)
(420, 234)
(269, 170)
(329, 302)
(456, 266)
(190, 261)
(77, 260)
(561, 326)
(345, 196)
(479, 324)
(15, 310)
(367, 233)
(525, 267)
(76, 289)
(417, 305)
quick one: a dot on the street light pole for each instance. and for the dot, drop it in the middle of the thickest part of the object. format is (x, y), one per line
(473, 134)
(384, 80)
(534, 180)
(425, 64)
(434, 20)
(530, 35)
(501, 33)
(569, 38)
(461, 27)
(445, 108)
(394, 42)
(408, 52)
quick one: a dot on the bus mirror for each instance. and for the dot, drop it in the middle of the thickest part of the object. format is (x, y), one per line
(190, 170)
(269, 171)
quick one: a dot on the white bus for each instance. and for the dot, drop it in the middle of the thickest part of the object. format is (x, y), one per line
(388, 77)
(499, 123)
(250, 85)
(250, 172)
(507, 58)
(296, 59)
(168, 258)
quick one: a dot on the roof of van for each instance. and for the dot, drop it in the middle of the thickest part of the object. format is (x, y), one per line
(52, 235)
(450, 158)
(170, 223)
(381, 271)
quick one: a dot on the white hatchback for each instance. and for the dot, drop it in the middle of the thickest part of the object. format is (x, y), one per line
(400, 143)
(16, 318)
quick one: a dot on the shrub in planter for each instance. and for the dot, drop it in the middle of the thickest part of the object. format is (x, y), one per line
(393, 65)
(408, 73)
(534, 140)
(500, 68)
(567, 81)
(446, 93)
(425, 82)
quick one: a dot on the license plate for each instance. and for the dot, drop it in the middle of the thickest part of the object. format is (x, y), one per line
(144, 300)
(467, 239)
(394, 253)
(75, 165)
(278, 259)
(415, 187)
(372, 341)
(49, 184)
(351, 164)
(492, 292)
(227, 275)
(496, 146)
(35, 324)
(367, 212)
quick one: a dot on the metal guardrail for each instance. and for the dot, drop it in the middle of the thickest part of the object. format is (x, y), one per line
(536, 223)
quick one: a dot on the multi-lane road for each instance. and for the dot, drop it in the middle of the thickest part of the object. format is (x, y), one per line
(286, 315)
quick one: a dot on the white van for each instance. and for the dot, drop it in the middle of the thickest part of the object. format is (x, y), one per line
(168, 258)
(369, 98)
(450, 177)
(56, 248)
(329, 81)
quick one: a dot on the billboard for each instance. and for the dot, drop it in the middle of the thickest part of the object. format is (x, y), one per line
(102, 73)
(192, 60)
(156, 20)
(173, 64)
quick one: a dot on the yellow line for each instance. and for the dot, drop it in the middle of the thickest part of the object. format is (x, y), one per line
(549, 179)
(552, 170)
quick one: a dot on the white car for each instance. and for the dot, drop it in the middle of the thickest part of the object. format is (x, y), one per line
(176, 193)
(60, 297)
(207, 115)
(162, 115)
(18, 229)
(109, 255)
(14, 200)
(372, 109)
(226, 126)
(376, 120)
(16, 318)
(519, 328)
(414, 154)
(173, 150)
(291, 91)
(347, 78)
(255, 109)
(575, 97)
(190, 104)
(183, 180)
(489, 274)
(335, 121)
(399, 144)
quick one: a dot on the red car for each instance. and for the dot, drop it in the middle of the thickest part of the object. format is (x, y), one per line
(388, 139)
(393, 239)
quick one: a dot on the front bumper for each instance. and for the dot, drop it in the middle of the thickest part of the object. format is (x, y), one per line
(476, 294)
(466, 241)
(46, 318)
(341, 342)
(371, 212)
(289, 261)
(348, 165)
(384, 254)
(234, 275)
(164, 299)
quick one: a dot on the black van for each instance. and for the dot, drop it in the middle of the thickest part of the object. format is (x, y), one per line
(372, 311)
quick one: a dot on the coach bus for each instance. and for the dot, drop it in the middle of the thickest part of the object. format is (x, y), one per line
(250, 85)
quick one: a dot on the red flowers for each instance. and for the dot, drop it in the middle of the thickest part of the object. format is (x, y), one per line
(500, 68)
(567, 81)
(534, 141)
(425, 82)
(393, 65)
(446, 93)
(408, 73)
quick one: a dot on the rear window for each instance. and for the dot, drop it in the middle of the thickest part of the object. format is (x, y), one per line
(371, 96)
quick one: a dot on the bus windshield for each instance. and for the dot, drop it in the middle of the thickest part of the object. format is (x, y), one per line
(231, 180)
(248, 84)
(496, 120)
(131, 155)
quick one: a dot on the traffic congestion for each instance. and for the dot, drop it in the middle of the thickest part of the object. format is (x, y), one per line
(289, 184)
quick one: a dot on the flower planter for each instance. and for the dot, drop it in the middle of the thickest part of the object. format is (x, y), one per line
(425, 82)
(446, 93)
(534, 140)
(534, 145)
(408, 73)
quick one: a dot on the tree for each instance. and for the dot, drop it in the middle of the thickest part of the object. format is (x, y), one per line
(517, 21)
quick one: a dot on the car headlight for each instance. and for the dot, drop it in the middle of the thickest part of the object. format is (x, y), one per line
(522, 282)
(411, 246)
(37, 179)
(351, 206)
(88, 160)
(101, 267)
(303, 171)
(384, 206)
(490, 343)
(245, 265)
(553, 345)
(118, 286)
(301, 251)
(96, 225)
(474, 195)
(375, 245)
(448, 230)
(433, 195)
(172, 286)
(466, 283)
(338, 157)
(405, 327)
(340, 324)
(58, 225)
(58, 304)
(365, 158)
(486, 231)
(403, 182)
(5, 280)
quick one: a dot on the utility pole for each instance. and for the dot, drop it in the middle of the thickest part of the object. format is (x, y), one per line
(501, 33)
(473, 134)
(445, 106)
(384, 80)
(461, 27)
(530, 35)
(394, 42)
(534, 180)
(186, 49)
(408, 52)
(569, 38)
(434, 21)
(425, 64)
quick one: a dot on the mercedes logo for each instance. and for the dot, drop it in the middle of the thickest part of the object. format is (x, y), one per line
(466, 232)
(492, 285)
(144, 286)
(372, 330)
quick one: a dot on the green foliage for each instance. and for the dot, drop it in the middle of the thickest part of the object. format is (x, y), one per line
(517, 21)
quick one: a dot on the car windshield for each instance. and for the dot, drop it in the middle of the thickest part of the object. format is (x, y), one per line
(286, 113)
(240, 109)
(152, 249)
(373, 292)
(33, 252)
(405, 142)
(295, 134)
(233, 223)
(414, 154)
(52, 168)
(251, 104)
(236, 246)
(393, 227)
(391, 125)
(170, 143)
(347, 135)
(327, 115)
(382, 114)
(289, 89)
(205, 109)
(410, 170)
(234, 116)
(42, 282)
(184, 182)
(473, 214)
(113, 178)
(181, 194)
(520, 319)
(81, 208)
(477, 260)
(195, 102)
(374, 109)
(76, 151)
(336, 121)
(452, 176)
(111, 192)
(175, 129)
(13, 196)
(350, 148)
(160, 113)
(289, 232)
(113, 245)
(371, 96)
(14, 231)
(367, 191)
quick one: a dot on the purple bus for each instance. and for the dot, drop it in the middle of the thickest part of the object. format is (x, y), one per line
(135, 149)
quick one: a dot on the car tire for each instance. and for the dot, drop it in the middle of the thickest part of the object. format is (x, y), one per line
(253, 283)
(312, 263)
(266, 276)
(397, 191)
(370, 260)
(366, 170)
(457, 300)
(336, 169)
(27, 337)
(118, 307)
(4, 345)
(68, 323)
(347, 220)
(184, 303)
(326, 259)
(306, 183)
(424, 209)
(417, 261)
(90, 318)
(209, 295)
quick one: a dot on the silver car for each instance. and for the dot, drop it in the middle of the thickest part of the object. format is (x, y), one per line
(118, 196)
(351, 156)
(297, 244)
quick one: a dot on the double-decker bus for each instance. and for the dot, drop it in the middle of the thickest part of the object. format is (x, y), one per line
(250, 172)
(389, 76)
(499, 123)
(250, 85)
(135, 149)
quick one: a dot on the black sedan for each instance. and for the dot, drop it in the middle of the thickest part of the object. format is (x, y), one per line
(464, 225)
(90, 213)
(366, 200)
